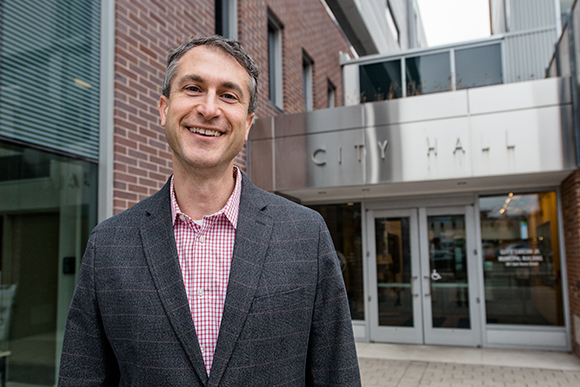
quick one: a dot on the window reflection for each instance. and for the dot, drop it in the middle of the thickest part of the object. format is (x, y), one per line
(522, 259)
(380, 81)
(448, 272)
(47, 209)
(428, 74)
(393, 250)
(344, 224)
(478, 66)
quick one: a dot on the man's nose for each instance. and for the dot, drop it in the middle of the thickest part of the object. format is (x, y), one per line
(208, 106)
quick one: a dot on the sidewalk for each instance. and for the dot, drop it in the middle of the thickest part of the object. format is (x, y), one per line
(395, 365)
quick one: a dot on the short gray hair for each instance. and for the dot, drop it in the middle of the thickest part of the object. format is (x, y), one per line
(229, 46)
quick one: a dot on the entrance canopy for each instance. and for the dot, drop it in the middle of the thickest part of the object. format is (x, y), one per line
(510, 135)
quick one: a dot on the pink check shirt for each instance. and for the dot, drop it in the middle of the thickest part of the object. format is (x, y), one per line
(205, 254)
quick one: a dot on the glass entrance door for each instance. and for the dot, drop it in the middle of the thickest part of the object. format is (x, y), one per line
(396, 315)
(423, 276)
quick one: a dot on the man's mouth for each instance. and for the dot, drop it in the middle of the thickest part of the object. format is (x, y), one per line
(205, 132)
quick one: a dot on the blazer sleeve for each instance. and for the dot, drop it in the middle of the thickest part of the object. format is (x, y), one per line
(332, 359)
(87, 357)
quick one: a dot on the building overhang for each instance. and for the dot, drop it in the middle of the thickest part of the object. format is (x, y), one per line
(501, 137)
(352, 23)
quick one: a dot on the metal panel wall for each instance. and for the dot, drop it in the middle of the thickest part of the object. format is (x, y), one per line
(527, 55)
(523, 15)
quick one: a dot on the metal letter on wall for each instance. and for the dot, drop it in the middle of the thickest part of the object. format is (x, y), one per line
(317, 161)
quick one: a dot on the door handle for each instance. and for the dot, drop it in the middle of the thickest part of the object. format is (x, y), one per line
(427, 294)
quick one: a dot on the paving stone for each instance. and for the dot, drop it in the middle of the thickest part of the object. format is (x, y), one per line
(399, 373)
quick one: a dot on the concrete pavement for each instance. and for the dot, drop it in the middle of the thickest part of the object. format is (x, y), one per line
(395, 365)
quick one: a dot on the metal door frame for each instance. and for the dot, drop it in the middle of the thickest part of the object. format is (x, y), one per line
(413, 335)
(450, 336)
(423, 332)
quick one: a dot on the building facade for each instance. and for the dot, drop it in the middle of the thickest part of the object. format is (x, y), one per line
(80, 138)
(449, 185)
(565, 63)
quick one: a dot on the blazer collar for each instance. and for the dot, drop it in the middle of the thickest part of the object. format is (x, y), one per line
(161, 253)
(252, 238)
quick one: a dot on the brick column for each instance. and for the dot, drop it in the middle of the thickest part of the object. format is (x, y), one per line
(145, 30)
(570, 190)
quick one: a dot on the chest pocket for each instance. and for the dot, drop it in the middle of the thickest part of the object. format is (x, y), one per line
(286, 300)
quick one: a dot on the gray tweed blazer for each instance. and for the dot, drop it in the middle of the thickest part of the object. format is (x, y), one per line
(286, 320)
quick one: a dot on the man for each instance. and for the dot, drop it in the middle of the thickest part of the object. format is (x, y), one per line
(211, 281)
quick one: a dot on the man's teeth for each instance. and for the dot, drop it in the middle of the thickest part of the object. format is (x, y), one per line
(205, 132)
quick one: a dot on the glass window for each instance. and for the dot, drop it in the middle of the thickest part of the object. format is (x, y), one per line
(275, 60)
(331, 95)
(522, 259)
(48, 206)
(478, 66)
(380, 81)
(344, 224)
(307, 65)
(226, 18)
(392, 23)
(428, 74)
(49, 66)
(565, 7)
(394, 288)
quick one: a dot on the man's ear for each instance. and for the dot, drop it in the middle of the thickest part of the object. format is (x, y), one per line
(163, 105)
(249, 122)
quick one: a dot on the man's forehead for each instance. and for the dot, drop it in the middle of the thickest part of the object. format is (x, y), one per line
(193, 55)
(196, 52)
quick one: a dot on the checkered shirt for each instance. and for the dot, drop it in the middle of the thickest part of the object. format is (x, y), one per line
(205, 255)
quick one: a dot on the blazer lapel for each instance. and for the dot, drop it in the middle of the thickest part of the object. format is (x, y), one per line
(161, 254)
(252, 237)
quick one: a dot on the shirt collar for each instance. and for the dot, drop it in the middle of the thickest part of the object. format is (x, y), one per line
(230, 210)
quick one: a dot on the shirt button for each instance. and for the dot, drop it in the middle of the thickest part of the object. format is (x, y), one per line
(201, 239)
(182, 217)
(200, 293)
(202, 348)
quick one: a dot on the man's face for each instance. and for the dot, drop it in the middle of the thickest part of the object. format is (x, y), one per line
(206, 116)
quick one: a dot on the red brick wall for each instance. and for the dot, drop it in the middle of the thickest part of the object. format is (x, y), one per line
(570, 191)
(145, 30)
(308, 27)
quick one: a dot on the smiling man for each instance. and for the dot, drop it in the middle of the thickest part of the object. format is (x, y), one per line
(211, 281)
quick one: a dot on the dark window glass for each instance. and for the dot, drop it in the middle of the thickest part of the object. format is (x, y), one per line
(220, 18)
(428, 74)
(393, 249)
(380, 81)
(522, 259)
(478, 66)
(344, 224)
(48, 206)
(448, 272)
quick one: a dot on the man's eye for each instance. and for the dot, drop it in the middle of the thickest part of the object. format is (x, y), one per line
(229, 96)
(192, 88)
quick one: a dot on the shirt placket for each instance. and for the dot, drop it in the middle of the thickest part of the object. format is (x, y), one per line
(202, 293)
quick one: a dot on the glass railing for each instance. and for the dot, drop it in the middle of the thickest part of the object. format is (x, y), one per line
(431, 71)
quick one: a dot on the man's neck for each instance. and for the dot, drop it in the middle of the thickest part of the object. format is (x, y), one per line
(200, 195)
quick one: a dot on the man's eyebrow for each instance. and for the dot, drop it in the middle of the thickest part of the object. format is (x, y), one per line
(196, 78)
(188, 78)
(233, 86)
